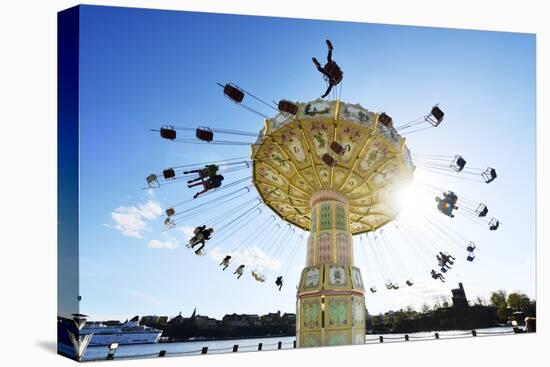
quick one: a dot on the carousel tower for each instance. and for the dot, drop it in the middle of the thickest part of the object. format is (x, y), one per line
(332, 169)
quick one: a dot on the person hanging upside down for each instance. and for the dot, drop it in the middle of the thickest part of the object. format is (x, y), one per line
(208, 171)
(210, 184)
(239, 271)
(225, 262)
(279, 282)
(331, 71)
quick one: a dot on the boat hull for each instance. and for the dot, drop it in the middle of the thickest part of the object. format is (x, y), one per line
(125, 338)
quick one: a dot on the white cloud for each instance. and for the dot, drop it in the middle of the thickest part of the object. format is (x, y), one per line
(253, 257)
(131, 221)
(150, 210)
(167, 242)
(187, 232)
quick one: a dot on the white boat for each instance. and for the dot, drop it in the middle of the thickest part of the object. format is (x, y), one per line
(130, 332)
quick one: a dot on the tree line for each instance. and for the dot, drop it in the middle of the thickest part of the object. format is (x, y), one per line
(442, 316)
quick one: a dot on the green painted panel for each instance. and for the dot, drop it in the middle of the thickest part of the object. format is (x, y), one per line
(340, 218)
(339, 337)
(311, 340)
(311, 312)
(338, 313)
(325, 216)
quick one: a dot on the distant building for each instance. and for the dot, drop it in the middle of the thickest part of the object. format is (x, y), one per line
(235, 320)
(112, 323)
(289, 318)
(459, 297)
(230, 322)
(205, 322)
(178, 320)
(152, 319)
(271, 318)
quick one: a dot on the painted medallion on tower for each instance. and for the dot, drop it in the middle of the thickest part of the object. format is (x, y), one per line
(312, 277)
(356, 278)
(337, 276)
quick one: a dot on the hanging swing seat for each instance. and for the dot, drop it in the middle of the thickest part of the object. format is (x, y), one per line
(458, 163)
(152, 181)
(494, 224)
(385, 120)
(435, 117)
(169, 174)
(258, 276)
(170, 212)
(373, 289)
(482, 210)
(288, 107)
(337, 148)
(168, 132)
(470, 258)
(169, 223)
(489, 175)
(471, 247)
(335, 73)
(450, 197)
(409, 282)
(204, 134)
(233, 92)
(329, 161)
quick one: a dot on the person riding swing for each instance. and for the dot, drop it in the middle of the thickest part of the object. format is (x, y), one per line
(331, 71)
(447, 204)
(225, 262)
(279, 282)
(208, 171)
(239, 271)
(210, 184)
(201, 236)
(437, 275)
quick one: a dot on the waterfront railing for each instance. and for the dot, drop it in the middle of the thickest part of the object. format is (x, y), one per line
(292, 344)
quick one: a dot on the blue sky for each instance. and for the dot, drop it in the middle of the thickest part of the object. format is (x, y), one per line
(141, 69)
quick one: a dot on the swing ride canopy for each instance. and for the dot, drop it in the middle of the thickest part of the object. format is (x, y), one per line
(295, 156)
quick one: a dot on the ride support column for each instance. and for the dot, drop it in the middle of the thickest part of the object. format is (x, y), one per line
(330, 306)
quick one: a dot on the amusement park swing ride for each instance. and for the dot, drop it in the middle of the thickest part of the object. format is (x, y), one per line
(333, 169)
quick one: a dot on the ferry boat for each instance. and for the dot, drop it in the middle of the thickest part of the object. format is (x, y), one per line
(129, 332)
